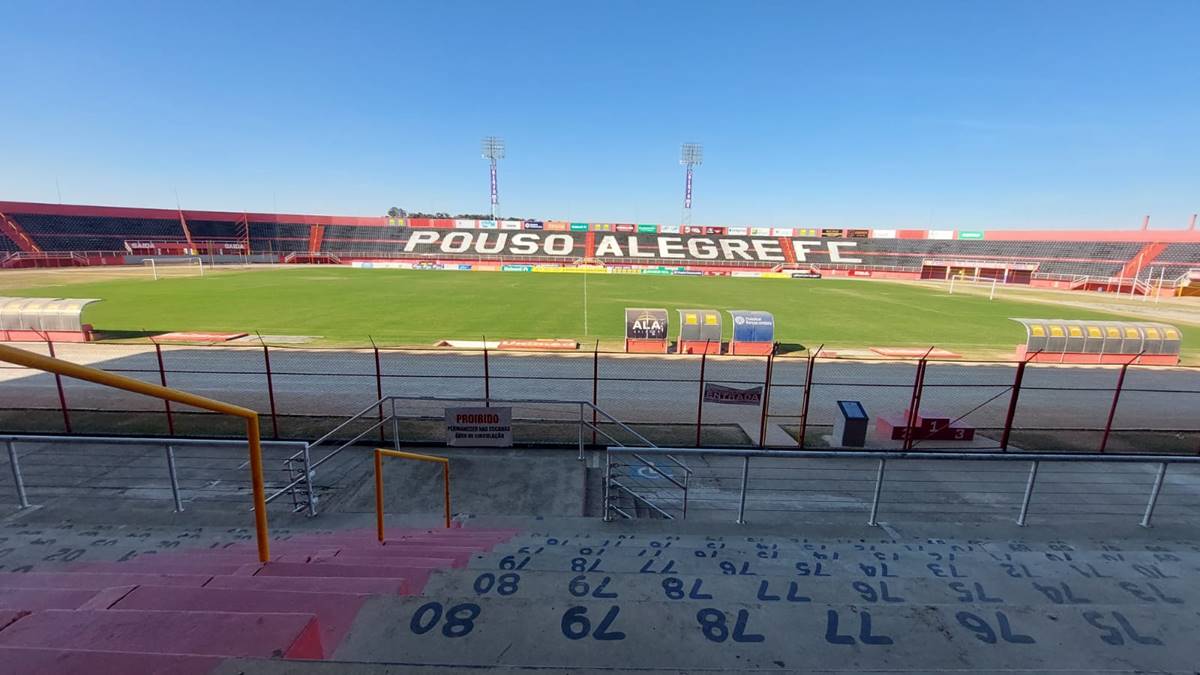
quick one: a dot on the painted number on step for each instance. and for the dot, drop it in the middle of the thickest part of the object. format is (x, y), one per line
(459, 619)
(504, 584)
(576, 625)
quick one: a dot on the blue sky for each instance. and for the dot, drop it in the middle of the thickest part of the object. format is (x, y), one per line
(867, 114)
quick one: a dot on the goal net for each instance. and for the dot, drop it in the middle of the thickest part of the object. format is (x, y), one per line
(174, 267)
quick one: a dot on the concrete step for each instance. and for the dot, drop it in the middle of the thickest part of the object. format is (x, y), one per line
(156, 565)
(421, 550)
(334, 611)
(639, 540)
(1146, 559)
(687, 562)
(314, 584)
(996, 589)
(290, 635)
(44, 598)
(84, 662)
(352, 558)
(414, 577)
(403, 534)
(98, 581)
(507, 632)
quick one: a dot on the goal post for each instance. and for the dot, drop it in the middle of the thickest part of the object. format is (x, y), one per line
(189, 266)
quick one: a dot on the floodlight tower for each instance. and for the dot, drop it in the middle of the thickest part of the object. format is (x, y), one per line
(493, 150)
(691, 155)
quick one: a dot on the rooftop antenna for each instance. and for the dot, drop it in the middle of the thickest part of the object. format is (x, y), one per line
(691, 155)
(493, 151)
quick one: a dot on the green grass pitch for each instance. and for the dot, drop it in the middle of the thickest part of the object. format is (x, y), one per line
(400, 307)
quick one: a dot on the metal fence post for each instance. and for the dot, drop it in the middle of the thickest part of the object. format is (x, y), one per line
(62, 395)
(687, 475)
(700, 394)
(174, 478)
(378, 386)
(1012, 404)
(271, 390)
(1112, 411)
(308, 476)
(162, 379)
(808, 377)
(607, 482)
(766, 400)
(878, 489)
(1033, 470)
(914, 406)
(487, 377)
(595, 388)
(581, 431)
(741, 519)
(1154, 491)
(395, 427)
(15, 464)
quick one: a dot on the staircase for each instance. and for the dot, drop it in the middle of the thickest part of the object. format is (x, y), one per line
(1142, 260)
(582, 596)
(13, 230)
(316, 235)
(186, 610)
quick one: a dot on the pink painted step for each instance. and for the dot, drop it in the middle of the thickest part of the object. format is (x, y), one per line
(334, 611)
(97, 581)
(79, 662)
(460, 555)
(369, 585)
(8, 616)
(415, 576)
(231, 634)
(348, 558)
(204, 555)
(161, 566)
(44, 598)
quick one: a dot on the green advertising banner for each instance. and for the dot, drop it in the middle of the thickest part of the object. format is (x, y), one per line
(968, 234)
(652, 229)
(579, 227)
(516, 268)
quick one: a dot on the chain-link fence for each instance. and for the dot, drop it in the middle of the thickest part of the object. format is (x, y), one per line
(785, 401)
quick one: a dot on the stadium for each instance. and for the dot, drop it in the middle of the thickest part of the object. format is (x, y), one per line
(701, 376)
(912, 386)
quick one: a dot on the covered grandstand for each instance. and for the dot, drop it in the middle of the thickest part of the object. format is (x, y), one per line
(56, 235)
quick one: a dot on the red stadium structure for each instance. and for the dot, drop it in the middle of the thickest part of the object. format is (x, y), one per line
(1137, 262)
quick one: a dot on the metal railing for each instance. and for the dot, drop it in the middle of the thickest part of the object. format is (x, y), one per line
(883, 457)
(169, 444)
(302, 467)
(253, 441)
(380, 453)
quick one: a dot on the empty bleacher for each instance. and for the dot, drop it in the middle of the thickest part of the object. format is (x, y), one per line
(1178, 259)
(1073, 257)
(93, 233)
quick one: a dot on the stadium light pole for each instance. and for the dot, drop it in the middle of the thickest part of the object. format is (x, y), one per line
(691, 155)
(493, 151)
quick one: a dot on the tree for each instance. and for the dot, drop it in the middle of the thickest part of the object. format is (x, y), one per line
(396, 212)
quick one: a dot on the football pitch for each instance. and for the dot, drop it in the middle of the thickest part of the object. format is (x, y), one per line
(348, 307)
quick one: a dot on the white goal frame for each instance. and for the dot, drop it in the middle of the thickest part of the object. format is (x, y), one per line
(177, 262)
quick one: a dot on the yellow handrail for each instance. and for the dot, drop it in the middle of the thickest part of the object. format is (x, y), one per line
(52, 365)
(379, 454)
